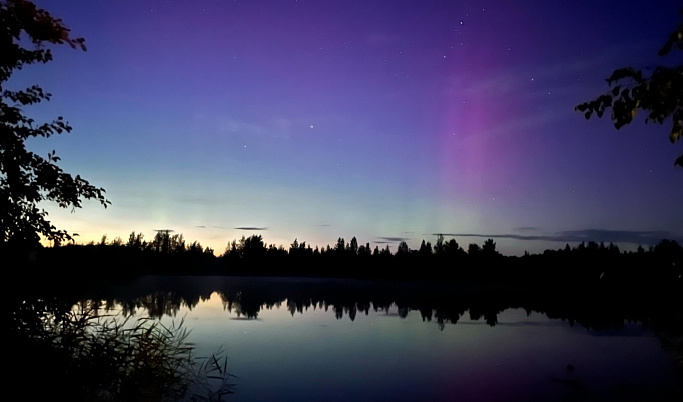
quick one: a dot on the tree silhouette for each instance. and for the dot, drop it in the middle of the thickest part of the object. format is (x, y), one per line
(26, 178)
(403, 248)
(473, 250)
(294, 247)
(425, 248)
(453, 248)
(252, 246)
(660, 94)
(136, 241)
(439, 247)
(352, 247)
(489, 248)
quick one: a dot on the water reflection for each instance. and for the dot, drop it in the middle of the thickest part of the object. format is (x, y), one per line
(599, 310)
(311, 339)
(442, 303)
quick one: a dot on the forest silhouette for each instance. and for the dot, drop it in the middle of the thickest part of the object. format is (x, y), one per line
(170, 254)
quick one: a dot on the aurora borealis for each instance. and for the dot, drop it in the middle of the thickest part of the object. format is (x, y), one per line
(383, 120)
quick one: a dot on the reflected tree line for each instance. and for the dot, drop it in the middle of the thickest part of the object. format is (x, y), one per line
(168, 253)
(443, 303)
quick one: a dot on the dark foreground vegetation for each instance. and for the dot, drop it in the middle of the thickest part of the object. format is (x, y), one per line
(586, 263)
(81, 351)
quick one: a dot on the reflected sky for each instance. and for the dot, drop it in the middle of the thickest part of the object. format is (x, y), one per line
(379, 356)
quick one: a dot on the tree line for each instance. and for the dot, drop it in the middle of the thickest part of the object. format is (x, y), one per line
(168, 253)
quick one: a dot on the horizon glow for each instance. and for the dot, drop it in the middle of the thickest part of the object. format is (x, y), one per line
(380, 120)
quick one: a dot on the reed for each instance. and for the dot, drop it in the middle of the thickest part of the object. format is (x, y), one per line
(85, 353)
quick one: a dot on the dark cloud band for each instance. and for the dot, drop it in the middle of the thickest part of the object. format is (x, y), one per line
(392, 239)
(577, 236)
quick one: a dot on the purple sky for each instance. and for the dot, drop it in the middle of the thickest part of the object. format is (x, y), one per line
(382, 120)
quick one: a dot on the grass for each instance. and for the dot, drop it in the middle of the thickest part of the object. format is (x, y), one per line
(81, 354)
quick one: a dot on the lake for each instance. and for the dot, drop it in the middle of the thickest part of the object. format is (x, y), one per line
(337, 340)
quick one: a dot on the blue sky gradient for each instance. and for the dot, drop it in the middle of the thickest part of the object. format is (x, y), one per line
(376, 119)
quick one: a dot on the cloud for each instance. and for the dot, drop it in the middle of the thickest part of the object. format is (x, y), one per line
(621, 236)
(240, 127)
(391, 239)
(273, 127)
(526, 229)
(586, 235)
(251, 228)
(518, 80)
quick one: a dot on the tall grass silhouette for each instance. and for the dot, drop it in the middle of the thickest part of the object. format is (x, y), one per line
(84, 354)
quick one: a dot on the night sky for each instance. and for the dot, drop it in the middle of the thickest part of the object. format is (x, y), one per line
(384, 120)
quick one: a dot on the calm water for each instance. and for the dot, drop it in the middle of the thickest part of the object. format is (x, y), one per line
(290, 340)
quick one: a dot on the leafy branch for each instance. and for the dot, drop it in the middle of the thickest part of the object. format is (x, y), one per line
(659, 94)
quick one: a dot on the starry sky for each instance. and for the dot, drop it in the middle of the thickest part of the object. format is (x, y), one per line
(383, 120)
